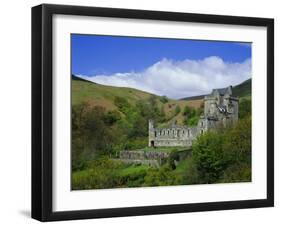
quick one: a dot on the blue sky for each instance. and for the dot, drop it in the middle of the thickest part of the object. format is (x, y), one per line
(142, 62)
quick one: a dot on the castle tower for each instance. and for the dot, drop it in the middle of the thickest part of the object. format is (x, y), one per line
(150, 124)
(151, 133)
(220, 110)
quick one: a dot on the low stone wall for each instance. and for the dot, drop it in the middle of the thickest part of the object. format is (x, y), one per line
(151, 158)
(142, 155)
(154, 163)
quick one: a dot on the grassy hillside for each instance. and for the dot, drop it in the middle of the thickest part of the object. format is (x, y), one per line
(100, 95)
(200, 97)
(242, 90)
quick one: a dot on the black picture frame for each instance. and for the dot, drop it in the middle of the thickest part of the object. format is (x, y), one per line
(42, 111)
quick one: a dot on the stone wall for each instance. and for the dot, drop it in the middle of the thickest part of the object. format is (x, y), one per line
(175, 135)
(220, 109)
(151, 158)
(142, 155)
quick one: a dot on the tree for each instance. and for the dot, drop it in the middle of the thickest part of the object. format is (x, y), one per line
(77, 141)
(91, 135)
(224, 155)
(122, 104)
(186, 111)
(177, 110)
(191, 115)
(111, 117)
(245, 108)
(209, 157)
(238, 141)
(164, 99)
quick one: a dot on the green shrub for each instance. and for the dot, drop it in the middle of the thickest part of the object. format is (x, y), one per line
(160, 177)
(191, 115)
(191, 173)
(240, 172)
(193, 121)
(209, 157)
(245, 108)
(224, 156)
(174, 156)
(164, 99)
(111, 117)
(177, 110)
(136, 143)
(101, 173)
(122, 104)
(238, 142)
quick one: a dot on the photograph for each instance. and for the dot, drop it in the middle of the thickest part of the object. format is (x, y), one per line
(149, 111)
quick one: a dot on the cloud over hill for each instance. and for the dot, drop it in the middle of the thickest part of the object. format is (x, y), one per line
(178, 79)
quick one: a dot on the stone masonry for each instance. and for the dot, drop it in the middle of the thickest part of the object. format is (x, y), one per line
(220, 109)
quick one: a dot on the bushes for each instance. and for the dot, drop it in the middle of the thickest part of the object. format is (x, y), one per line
(101, 173)
(245, 108)
(122, 104)
(192, 115)
(106, 173)
(133, 176)
(209, 157)
(177, 110)
(238, 142)
(237, 173)
(160, 177)
(111, 117)
(91, 134)
(174, 156)
(97, 132)
(137, 143)
(191, 173)
(224, 156)
(164, 99)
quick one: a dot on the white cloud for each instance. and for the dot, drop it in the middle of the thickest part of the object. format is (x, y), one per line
(178, 79)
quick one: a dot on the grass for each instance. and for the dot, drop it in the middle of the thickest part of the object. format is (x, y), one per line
(243, 89)
(182, 167)
(102, 95)
(133, 170)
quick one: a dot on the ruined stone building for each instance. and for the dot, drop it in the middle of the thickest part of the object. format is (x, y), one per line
(220, 109)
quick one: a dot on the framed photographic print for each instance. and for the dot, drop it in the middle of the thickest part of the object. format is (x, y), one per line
(145, 112)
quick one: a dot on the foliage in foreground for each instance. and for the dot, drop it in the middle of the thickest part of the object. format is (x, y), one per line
(97, 132)
(218, 157)
(224, 156)
(107, 173)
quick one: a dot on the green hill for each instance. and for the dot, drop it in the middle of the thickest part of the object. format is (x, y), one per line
(101, 95)
(242, 90)
(96, 94)
(200, 97)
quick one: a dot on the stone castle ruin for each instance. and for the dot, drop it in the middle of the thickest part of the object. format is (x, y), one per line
(220, 110)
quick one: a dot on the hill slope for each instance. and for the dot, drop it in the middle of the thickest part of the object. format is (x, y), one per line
(242, 90)
(102, 95)
(96, 94)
